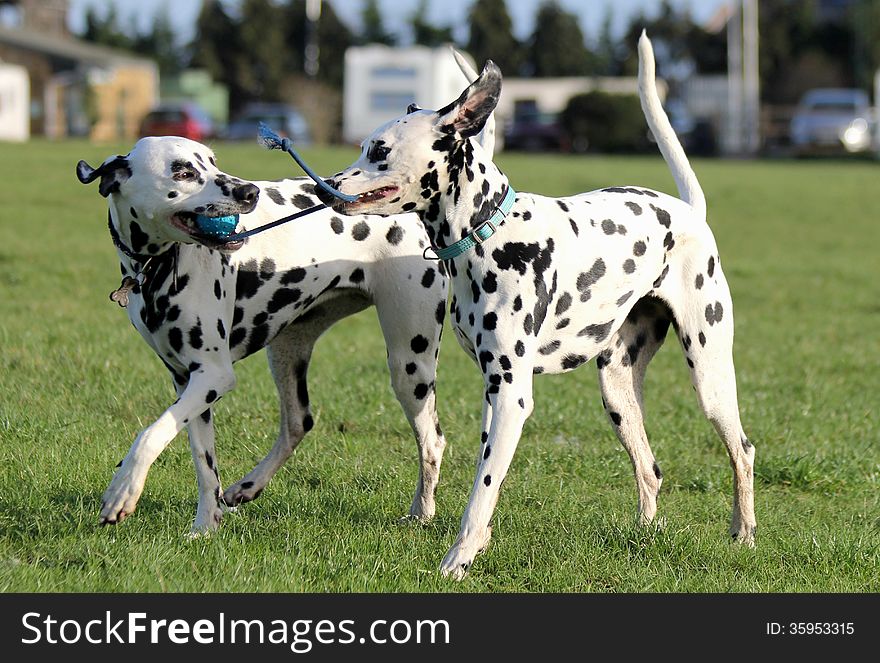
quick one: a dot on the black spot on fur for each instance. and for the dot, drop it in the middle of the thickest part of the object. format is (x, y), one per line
(662, 216)
(624, 298)
(139, 239)
(211, 396)
(710, 270)
(420, 391)
(175, 339)
(283, 297)
(302, 202)
(275, 196)
(702, 339)
(599, 331)
(294, 275)
(515, 256)
(715, 314)
(615, 417)
(419, 344)
(563, 303)
(394, 235)
(490, 282)
(550, 348)
(487, 480)
(571, 361)
(336, 225)
(639, 248)
(485, 358)
(520, 349)
(428, 277)
(629, 265)
(698, 282)
(489, 321)
(195, 336)
(357, 275)
(659, 280)
(634, 207)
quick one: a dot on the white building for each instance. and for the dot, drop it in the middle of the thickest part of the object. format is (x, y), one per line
(15, 121)
(381, 81)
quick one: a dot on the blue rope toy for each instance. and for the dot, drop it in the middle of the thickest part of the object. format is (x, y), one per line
(222, 226)
(272, 141)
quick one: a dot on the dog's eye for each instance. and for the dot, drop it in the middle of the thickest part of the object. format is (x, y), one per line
(183, 175)
(378, 152)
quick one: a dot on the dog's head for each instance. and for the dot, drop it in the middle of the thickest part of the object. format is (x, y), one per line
(407, 162)
(160, 187)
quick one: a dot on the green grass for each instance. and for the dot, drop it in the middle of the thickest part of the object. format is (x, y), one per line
(77, 383)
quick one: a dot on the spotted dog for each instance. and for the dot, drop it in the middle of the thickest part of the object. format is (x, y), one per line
(205, 304)
(560, 281)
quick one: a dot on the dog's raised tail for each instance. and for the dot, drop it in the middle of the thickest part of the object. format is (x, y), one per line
(673, 153)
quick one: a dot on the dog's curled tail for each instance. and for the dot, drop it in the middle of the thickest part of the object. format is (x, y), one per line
(673, 153)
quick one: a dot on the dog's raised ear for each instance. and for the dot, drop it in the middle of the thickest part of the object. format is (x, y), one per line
(112, 172)
(468, 114)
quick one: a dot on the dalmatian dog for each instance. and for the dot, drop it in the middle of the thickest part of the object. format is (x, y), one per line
(203, 304)
(543, 285)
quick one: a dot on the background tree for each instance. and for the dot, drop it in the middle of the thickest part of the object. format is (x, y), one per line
(491, 36)
(334, 38)
(262, 62)
(217, 48)
(374, 31)
(160, 43)
(425, 32)
(105, 30)
(557, 46)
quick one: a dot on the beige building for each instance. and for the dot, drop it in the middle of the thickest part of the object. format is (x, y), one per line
(76, 88)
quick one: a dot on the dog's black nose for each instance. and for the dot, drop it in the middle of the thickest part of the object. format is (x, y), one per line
(246, 193)
(325, 196)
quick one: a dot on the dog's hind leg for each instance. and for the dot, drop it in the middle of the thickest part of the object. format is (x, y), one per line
(413, 350)
(621, 370)
(203, 388)
(289, 356)
(704, 311)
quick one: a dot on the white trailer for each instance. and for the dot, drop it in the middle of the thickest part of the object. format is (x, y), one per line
(381, 81)
(15, 121)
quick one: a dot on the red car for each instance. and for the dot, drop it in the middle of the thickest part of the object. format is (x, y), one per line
(178, 119)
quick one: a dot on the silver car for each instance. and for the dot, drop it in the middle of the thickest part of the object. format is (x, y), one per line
(829, 120)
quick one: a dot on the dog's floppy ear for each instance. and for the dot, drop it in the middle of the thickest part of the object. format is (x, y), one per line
(468, 114)
(112, 172)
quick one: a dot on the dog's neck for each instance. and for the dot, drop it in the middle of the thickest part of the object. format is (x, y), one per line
(474, 191)
(132, 243)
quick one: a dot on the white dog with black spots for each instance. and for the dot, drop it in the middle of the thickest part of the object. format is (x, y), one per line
(203, 303)
(543, 285)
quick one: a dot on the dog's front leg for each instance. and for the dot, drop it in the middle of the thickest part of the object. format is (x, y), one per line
(508, 408)
(205, 386)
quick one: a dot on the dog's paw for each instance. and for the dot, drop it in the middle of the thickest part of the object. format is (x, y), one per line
(241, 492)
(207, 521)
(121, 497)
(744, 536)
(458, 560)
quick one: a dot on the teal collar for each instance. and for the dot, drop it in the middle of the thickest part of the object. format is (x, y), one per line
(482, 232)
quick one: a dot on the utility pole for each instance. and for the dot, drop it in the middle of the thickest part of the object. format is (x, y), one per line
(734, 81)
(751, 84)
(743, 88)
(313, 14)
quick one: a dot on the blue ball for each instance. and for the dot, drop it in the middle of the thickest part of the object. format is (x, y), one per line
(217, 226)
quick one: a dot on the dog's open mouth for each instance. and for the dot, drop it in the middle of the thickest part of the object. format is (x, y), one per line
(376, 194)
(367, 197)
(187, 223)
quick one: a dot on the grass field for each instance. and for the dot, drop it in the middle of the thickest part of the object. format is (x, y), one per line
(77, 383)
